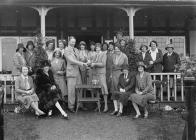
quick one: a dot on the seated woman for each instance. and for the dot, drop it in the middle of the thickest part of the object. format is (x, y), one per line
(126, 86)
(47, 90)
(144, 90)
(25, 92)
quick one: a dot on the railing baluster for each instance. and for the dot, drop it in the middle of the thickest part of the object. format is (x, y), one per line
(154, 78)
(161, 88)
(12, 88)
(174, 84)
(168, 89)
(5, 90)
(182, 88)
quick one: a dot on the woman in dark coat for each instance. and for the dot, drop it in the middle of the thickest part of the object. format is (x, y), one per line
(47, 90)
(126, 86)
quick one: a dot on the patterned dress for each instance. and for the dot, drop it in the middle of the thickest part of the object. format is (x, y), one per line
(59, 65)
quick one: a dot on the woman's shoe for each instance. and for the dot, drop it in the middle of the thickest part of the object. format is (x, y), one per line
(137, 116)
(114, 113)
(65, 117)
(50, 113)
(119, 114)
(145, 116)
(41, 116)
(105, 110)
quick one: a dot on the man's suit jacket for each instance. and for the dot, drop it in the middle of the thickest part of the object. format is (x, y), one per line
(156, 67)
(20, 84)
(72, 56)
(128, 84)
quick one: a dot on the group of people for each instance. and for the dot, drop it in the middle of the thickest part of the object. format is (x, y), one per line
(66, 66)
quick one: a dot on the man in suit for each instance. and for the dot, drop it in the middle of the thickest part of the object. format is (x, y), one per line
(170, 62)
(156, 58)
(72, 71)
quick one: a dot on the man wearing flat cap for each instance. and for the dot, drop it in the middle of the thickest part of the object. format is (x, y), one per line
(170, 62)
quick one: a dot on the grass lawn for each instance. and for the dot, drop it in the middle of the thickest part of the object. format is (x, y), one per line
(93, 126)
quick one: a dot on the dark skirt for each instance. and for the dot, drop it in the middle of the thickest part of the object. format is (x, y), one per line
(122, 97)
(49, 99)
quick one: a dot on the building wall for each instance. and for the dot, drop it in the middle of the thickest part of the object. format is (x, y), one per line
(192, 35)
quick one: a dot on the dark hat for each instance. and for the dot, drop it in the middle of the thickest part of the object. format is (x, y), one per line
(125, 67)
(141, 64)
(20, 45)
(169, 46)
(143, 46)
(30, 43)
(45, 63)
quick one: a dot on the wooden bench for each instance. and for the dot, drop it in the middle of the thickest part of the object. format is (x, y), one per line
(94, 95)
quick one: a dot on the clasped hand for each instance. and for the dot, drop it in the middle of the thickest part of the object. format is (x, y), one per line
(53, 87)
(122, 90)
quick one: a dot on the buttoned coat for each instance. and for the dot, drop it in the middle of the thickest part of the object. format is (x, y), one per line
(156, 67)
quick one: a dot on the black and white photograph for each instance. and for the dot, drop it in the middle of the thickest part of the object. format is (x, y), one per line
(97, 69)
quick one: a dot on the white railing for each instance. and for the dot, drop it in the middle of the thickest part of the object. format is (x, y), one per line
(163, 90)
(5, 78)
(164, 86)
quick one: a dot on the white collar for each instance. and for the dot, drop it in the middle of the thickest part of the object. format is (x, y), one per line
(156, 50)
(169, 53)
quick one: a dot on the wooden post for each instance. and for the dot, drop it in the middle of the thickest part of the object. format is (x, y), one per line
(190, 86)
(131, 13)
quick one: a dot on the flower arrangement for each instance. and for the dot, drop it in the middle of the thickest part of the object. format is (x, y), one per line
(188, 66)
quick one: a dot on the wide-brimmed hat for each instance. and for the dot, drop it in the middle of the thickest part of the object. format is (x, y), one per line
(169, 46)
(141, 64)
(20, 45)
(45, 63)
(143, 46)
(125, 67)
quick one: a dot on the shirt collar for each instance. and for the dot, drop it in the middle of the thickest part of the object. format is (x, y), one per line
(156, 50)
(169, 53)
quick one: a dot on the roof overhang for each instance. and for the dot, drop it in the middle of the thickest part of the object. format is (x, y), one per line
(99, 2)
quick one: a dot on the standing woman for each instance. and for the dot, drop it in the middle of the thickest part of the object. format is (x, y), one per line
(19, 59)
(25, 92)
(50, 49)
(109, 62)
(99, 66)
(83, 54)
(58, 68)
(29, 52)
(61, 46)
(144, 91)
(119, 59)
(91, 58)
(48, 91)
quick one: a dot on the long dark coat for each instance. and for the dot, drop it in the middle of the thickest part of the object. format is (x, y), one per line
(47, 97)
(146, 60)
(156, 67)
(128, 84)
